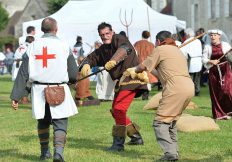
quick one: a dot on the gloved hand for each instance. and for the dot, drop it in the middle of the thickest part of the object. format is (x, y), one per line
(130, 72)
(110, 64)
(143, 77)
(85, 70)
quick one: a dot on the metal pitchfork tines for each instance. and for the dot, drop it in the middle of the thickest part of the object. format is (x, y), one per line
(126, 23)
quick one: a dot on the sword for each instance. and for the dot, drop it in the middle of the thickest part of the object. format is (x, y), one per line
(91, 74)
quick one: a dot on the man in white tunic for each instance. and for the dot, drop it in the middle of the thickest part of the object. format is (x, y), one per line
(49, 61)
(193, 53)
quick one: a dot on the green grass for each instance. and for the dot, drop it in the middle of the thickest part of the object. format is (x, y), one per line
(89, 134)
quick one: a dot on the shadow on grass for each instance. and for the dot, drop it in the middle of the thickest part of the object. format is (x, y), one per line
(21, 107)
(214, 158)
(14, 153)
(84, 143)
(5, 79)
(5, 93)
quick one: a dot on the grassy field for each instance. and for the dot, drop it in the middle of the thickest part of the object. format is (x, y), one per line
(89, 134)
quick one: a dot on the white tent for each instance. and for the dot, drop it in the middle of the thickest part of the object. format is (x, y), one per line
(83, 17)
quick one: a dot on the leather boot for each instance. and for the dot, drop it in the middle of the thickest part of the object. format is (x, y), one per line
(119, 135)
(59, 143)
(44, 143)
(45, 154)
(133, 133)
(169, 157)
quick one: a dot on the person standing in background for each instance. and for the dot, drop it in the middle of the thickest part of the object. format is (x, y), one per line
(9, 60)
(220, 75)
(105, 85)
(30, 32)
(78, 48)
(193, 54)
(143, 49)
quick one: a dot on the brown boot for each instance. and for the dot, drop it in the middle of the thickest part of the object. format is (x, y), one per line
(133, 133)
(119, 135)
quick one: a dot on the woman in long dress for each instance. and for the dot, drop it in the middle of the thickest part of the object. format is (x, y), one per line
(220, 75)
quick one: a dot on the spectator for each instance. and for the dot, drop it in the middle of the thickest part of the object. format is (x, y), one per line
(78, 48)
(143, 49)
(193, 54)
(220, 75)
(30, 32)
(82, 87)
(105, 85)
(2, 65)
(9, 60)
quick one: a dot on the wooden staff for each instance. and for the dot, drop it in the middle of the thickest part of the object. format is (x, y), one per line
(184, 44)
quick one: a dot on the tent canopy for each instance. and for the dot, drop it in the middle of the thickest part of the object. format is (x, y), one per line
(82, 18)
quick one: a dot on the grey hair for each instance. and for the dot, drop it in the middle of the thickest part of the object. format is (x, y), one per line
(190, 32)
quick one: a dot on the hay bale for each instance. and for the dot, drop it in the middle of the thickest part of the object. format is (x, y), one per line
(189, 123)
(192, 105)
(153, 103)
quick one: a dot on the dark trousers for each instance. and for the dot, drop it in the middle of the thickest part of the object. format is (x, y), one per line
(58, 124)
(196, 77)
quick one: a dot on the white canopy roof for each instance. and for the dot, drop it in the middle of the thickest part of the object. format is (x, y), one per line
(82, 18)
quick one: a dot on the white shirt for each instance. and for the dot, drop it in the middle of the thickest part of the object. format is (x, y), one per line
(193, 52)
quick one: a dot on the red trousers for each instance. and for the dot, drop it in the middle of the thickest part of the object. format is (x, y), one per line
(121, 103)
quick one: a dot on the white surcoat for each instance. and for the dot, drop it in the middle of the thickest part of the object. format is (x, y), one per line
(48, 64)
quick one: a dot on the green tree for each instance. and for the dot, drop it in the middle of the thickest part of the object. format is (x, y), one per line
(55, 5)
(3, 17)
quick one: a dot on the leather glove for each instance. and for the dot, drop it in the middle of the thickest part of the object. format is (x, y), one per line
(110, 64)
(143, 77)
(130, 72)
(85, 70)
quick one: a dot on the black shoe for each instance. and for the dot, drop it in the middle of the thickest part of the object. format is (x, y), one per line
(45, 157)
(145, 95)
(113, 148)
(90, 98)
(197, 93)
(136, 140)
(57, 158)
(118, 144)
(169, 157)
(45, 154)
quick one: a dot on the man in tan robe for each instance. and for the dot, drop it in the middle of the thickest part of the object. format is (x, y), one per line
(143, 49)
(178, 89)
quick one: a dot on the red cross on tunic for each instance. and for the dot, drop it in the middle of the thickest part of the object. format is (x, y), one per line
(45, 57)
(75, 51)
(21, 48)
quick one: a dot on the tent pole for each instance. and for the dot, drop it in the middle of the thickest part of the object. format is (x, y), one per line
(149, 26)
